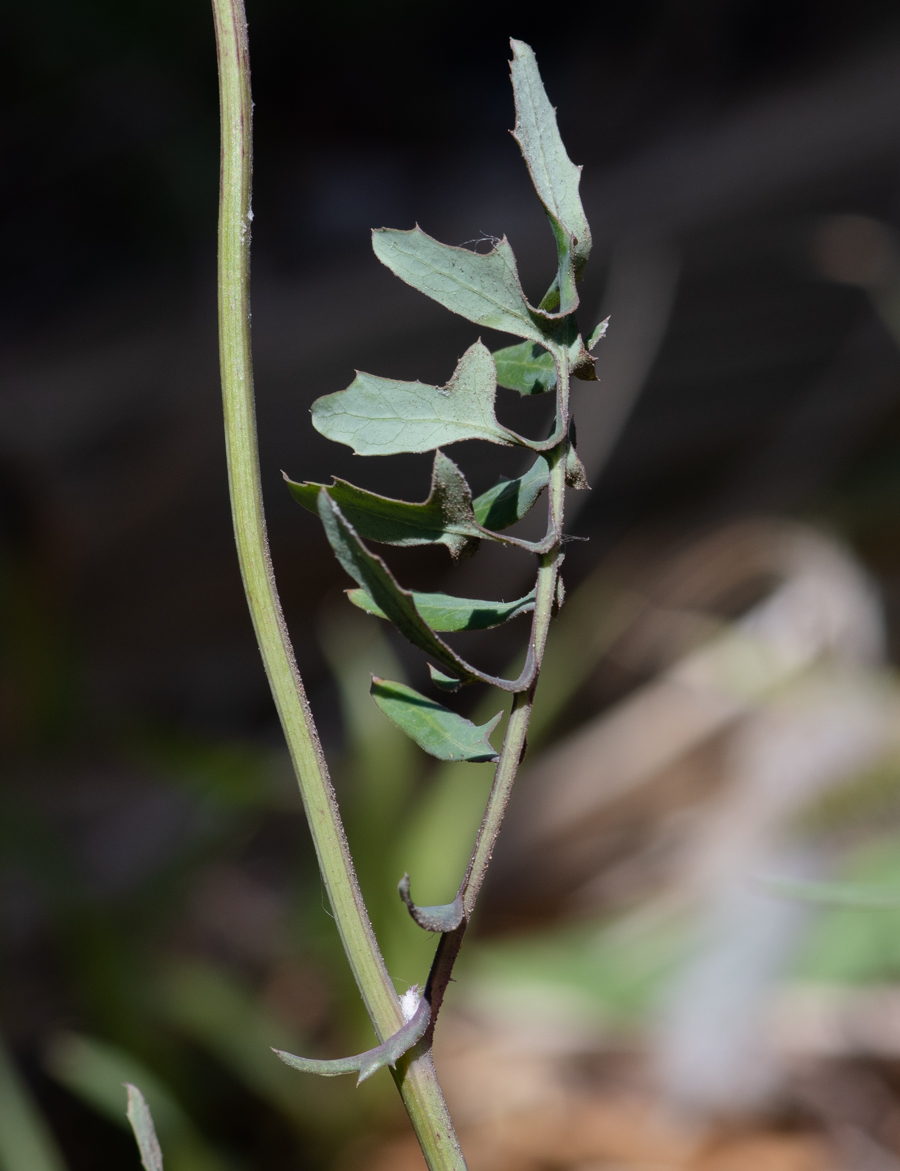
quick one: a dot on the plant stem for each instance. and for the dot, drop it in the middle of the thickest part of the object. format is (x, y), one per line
(517, 727)
(415, 1077)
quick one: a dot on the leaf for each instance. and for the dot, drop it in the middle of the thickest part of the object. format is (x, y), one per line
(396, 603)
(510, 500)
(435, 728)
(388, 1052)
(138, 1114)
(380, 416)
(481, 286)
(526, 367)
(555, 177)
(598, 332)
(446, 517)
(576, 477)
(443, 917)
(445, 612)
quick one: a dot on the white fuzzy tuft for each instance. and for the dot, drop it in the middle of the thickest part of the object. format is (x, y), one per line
(409, 1002)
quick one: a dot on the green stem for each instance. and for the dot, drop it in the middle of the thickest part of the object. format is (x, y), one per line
(415, 1077)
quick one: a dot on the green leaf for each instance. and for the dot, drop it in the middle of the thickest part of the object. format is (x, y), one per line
(446, 517)
(526, 367)
(396, 603)
(482, 286)
(380, 416)
(556, 178)
(435, 728)
(510, 500)
(445, 612)
(443, 917)
(598, 332)
(387, 1053)
(138, 1114)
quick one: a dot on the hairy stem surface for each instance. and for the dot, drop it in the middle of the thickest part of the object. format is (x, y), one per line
(415, 1077)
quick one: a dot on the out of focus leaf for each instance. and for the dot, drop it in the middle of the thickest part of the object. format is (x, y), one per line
(142, 1124)
(26, 1141)
(482, 286)
(365, 1064)
(445, 612)
(95, 1071)
(435, 728)
(556, 178)
(526, 367)
(836, 894)
(510, 500)
(380, 416)
(446, 517)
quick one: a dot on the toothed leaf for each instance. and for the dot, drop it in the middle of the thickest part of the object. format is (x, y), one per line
(443, 917)
(365, 1064)
(527, 368)
(435, 728)
(446, 517)
(138, 1114)
(379, 416)
(482, 286)
(556, 178)
(445, 612)
(510, 500)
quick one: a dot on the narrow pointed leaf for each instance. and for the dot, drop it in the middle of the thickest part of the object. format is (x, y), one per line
(380, 416)
(441, 680)
(443, 917)
(598, 332)
(435, 728)
(138, 1114)
(556, 178)
(526, 367)
(446, 517)
(576, 477)
(482, 286)
(444, 612)
(365, 1064)
(396, 603)
(510, 500)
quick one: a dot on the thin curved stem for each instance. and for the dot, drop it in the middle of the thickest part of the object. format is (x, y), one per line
(414, 1076)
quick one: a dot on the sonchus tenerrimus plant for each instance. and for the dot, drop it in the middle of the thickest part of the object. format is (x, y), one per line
(381, 416)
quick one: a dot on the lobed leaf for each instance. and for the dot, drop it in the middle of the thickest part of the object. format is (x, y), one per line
(435, 728)
(138, 1114)
(481, 286)
(445, 613)
(397, 604)
(555, 177)
(446, 517)
(380, 416)
(526, 367)
(443, 917)
(510, 500)
(365, 1064)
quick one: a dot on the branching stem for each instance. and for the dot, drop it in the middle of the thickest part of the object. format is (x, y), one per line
(415, 1074)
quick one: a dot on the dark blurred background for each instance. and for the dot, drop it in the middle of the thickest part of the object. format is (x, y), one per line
(742, 178)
